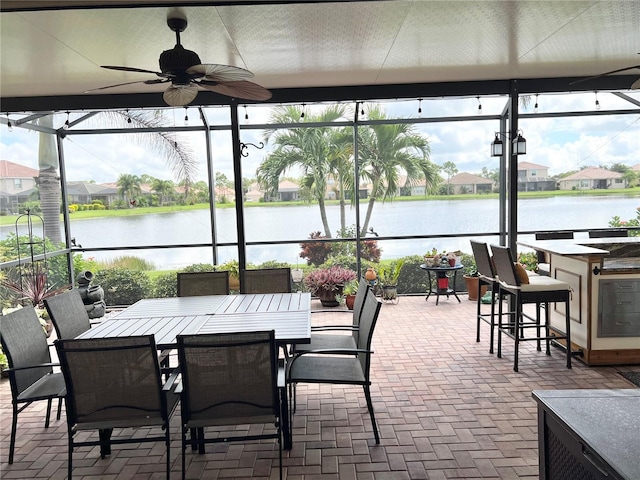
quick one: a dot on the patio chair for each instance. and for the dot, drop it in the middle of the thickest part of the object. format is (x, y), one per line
(536, 290)
(30, 369)
(191, 284)
(114, 383)
(68, 314)
(340, 366)
(486, 276)
(544, 267)
(266, 280)
(321, 341)
(612, 232)
(229, 379)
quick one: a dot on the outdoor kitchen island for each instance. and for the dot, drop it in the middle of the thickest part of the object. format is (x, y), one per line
(604, 274)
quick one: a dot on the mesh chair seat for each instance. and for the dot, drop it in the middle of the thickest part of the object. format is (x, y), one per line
(325, 369)
(49, 386)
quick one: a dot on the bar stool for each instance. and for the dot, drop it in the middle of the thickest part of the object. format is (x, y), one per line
(544, 267)
(540, 290)
(486, 276)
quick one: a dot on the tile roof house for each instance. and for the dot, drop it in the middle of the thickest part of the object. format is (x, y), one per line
(533, 177)
(17, 183)
(593, 178)
(469, 183)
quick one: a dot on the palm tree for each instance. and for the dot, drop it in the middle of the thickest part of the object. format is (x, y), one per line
(388, 150)
(178, 155)
(129, 187)
(314, 150)
(164, 188)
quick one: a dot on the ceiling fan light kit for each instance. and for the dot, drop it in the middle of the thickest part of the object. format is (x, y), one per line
(186, 73)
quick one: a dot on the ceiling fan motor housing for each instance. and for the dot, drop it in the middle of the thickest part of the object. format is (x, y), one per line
(177, 60)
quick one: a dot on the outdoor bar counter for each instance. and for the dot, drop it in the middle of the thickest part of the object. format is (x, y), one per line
(604, 274)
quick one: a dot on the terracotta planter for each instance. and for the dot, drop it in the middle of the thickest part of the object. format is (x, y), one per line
(350, 300)
(234, 283)
(472, 287)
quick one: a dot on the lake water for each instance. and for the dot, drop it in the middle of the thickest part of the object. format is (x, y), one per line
(441, 217)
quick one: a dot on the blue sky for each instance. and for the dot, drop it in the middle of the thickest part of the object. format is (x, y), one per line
(562, 144)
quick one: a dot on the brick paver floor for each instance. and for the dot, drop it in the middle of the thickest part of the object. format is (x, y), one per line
(446, 409)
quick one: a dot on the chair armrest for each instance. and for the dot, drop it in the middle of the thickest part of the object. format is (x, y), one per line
(332, 311)
(324, 351)
(320, 328)
(40, 365)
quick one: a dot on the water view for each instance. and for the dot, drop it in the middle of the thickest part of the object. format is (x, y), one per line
(441, 217)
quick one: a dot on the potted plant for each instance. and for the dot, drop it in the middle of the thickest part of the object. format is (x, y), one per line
(349, 292)
(327, 283)
(388, 277)
(233, 268)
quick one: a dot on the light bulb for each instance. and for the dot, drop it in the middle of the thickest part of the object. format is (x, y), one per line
(9, 126)
(597, 104)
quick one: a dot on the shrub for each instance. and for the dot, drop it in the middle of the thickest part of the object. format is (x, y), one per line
(412, 278)
(273, 264)
(130, 263)
(123, 286)
(199, 267)
(315, 252)
(633, 222)
(165, 285)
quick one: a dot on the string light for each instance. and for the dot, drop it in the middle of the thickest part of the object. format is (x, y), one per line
(597, 102)
(362, 110)
(419, 106)
(9, 124)
(246, 114)
(302, 112)
(535, 107)
(479, 105)
(128, 117)
(186, 116)
(66, 123)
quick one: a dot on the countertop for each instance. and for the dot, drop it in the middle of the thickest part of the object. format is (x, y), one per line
(618, 247)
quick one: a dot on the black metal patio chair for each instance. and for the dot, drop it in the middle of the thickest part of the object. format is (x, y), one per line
(114, 383)
(340, 366)
(30, 369)
(192, 284)
(486, 276)
(611, 232)
(228, 379)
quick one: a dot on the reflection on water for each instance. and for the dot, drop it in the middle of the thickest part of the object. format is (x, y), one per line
(439, 217)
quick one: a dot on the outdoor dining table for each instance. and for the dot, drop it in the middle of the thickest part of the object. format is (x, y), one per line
(288, 314)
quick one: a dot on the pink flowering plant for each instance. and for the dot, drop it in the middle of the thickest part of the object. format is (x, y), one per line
(328, 279)
(633, 222)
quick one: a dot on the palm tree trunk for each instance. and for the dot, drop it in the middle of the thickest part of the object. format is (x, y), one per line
(323, 215)
(367, 217)
(48, 182)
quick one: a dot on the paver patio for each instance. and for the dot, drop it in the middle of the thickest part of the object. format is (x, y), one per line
(446, 409)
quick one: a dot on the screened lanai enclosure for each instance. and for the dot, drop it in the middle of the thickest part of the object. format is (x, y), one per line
(371, 147)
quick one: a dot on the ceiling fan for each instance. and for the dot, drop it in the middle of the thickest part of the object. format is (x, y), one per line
(635, 85)
(185, 73)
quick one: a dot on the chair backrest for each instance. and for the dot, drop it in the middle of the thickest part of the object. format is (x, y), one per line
(266, 280)
(228, 378)
(558, 235)
(191, 284)
(24, 343)
(503, 260)
(612, 232)
(112, 382)
(484, 265)
(68, 314)
(358, 304)
(368, 319)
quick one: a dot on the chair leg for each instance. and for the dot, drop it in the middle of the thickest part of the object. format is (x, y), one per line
(167, 443)
(499, 324)
(478, 311)
(70, 455)
(492, 323)
(14, 426)
(59, 408)
(367, 394)
(517, 331)
(568, 330)
(184, 450)
(48, 417)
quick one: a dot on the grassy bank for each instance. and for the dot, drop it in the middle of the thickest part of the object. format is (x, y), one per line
(631, 192)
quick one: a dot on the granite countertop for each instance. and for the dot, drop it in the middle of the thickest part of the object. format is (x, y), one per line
(620, 264)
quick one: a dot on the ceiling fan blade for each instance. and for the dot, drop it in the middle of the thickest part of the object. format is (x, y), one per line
(112, 86)
(243, 89)
(635, 85)
(219, 73)
(132, 69)
(180, 96)
(604, 74)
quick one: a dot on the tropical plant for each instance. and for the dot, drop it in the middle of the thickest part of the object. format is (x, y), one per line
(388, 274)
(387, 151)
(122, 286)
(316, 253)
(129, 187)
(328, 279)
(633, 222)
(31, 284)
(319, 152)
(351, 287)
(164, 188)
